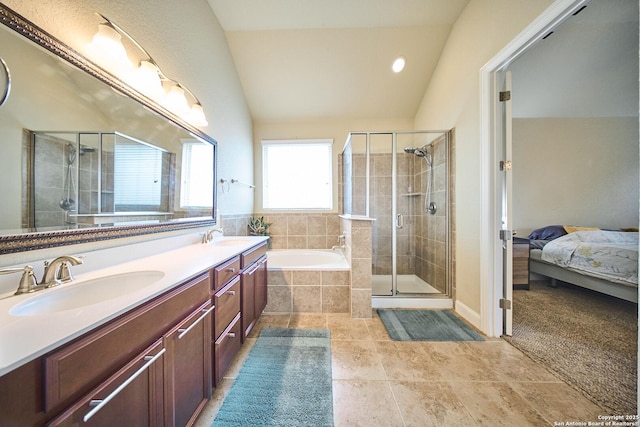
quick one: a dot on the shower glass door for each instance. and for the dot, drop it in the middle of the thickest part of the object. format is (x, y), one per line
(381, 168)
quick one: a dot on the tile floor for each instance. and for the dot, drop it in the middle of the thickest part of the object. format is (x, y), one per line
(379, 382)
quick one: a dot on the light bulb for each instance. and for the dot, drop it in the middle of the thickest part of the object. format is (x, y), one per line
(146, 79)
(197, 116)
(177, 102)
(398, 64)
(107, 50)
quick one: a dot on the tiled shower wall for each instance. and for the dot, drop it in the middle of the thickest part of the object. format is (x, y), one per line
(430, 238)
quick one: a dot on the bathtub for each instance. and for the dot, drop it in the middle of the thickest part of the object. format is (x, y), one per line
(308, 281)
(307, 259)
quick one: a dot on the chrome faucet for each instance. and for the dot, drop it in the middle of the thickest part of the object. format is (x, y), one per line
(341, 240)
(207, 236)
(59, 270)
(55, 272)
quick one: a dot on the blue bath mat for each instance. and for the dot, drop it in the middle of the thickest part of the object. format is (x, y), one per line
(285, 381)
(426, 325)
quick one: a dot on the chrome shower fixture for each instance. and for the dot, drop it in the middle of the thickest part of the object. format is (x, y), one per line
(417, 151)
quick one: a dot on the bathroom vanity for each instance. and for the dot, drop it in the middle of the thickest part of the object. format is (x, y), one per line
(147, 358)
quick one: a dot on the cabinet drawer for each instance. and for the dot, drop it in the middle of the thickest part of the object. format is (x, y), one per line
(78, 367)
(225, 272)
(227, 302)
(226, 347)
(132, 396)
(253, 254)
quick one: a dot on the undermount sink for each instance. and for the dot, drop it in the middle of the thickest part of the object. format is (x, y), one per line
(231, 242)
(85, 293)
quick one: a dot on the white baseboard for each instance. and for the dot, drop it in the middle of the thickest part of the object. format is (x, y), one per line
(469, 315)
(399, 302)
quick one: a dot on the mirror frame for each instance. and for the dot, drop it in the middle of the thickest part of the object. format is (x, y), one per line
(11, 243)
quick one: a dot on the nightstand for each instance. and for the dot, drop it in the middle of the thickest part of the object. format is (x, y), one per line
(520, 263)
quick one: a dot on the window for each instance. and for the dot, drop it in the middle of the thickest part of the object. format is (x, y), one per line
(137, 176)
(196, 190)
(296, 174)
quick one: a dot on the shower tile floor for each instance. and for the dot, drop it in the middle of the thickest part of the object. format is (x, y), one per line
(407, 284)
(379, 382)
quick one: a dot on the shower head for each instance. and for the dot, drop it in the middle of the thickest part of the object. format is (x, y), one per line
(417, 151)
(86, 149)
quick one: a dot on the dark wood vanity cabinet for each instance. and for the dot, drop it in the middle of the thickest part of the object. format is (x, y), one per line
(241, 295)
(155, 365)
(148, 367)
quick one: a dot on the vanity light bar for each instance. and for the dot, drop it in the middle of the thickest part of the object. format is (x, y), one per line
(107, 50)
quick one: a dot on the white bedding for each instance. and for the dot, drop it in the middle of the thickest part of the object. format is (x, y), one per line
(611, 255)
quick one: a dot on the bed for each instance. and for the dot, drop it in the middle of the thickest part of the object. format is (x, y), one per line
(601, 260)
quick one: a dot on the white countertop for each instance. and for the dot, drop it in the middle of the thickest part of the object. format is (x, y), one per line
(24, 338)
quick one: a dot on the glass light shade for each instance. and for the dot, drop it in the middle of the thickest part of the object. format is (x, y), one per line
(146, 79)
(107, 50)
(197, 116)
(177, 102)
(398, 64)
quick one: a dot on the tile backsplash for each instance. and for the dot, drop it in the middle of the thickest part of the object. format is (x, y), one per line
(291, 230)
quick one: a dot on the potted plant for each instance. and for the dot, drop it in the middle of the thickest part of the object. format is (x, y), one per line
(258, 227)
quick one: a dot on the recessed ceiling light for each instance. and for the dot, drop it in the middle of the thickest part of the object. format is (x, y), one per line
(398, 64)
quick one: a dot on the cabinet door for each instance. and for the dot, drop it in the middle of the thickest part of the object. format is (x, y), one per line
(248, 283)
(188, 375)
(261, 287)
(131, 397)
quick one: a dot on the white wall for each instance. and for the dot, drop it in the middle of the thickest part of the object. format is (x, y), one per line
(575, 171)
(189, 44)
(452, 101)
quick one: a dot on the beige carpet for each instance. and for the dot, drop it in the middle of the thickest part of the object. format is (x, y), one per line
(586, 338)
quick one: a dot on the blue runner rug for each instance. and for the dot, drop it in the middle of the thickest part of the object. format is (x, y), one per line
(285, 381)
(426, 325)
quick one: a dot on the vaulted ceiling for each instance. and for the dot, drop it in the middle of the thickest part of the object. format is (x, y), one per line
(310, 59)
(307, 59)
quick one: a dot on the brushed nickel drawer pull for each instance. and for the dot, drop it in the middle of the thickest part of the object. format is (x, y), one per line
(231, 335)
(231, 293)
(230, 270)
(99, 403)
(183, 332)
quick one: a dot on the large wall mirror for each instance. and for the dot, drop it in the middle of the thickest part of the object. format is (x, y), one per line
(84, 156)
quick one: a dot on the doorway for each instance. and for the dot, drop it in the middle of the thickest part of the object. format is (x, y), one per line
(496, 226)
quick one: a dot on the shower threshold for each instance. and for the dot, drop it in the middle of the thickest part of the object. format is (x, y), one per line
(412, 292)
(406, 284)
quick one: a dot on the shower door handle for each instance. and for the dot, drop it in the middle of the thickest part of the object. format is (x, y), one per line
(399, 221)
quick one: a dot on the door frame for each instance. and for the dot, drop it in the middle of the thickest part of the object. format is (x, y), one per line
(491, 147)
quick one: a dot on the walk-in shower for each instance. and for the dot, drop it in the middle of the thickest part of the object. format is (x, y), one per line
(401, 179)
